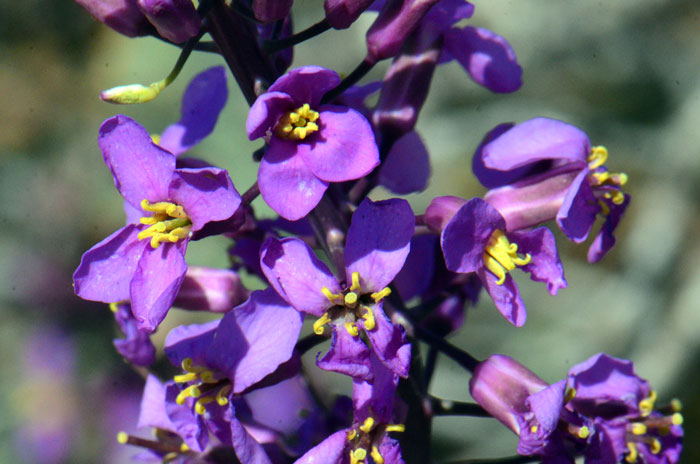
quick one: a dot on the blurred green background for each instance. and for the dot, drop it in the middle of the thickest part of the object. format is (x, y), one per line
(627, 73)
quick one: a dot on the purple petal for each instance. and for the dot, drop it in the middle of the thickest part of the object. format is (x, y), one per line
(202, 103)
(389, 342)
(297, 274)
(378, 242)
(133, 215)
(268, 11)
(545, 265)
(190, 341)
(266, 112)
(209, 289)
(153, 406)
(487, 57)
(347, 355)
(156, 282)
(465, 237)
(255, 338)
(344, 147)
(188, 425)
(137, 347)
(342, 13)
(390, 450)
(407, 166)
(376, 399)
(579, 209)
(176, 20)
(492, 178)
(417, 273)
(506, 297)
(247, 449)
(286, 184)
(306, 84)
(329, 451)
(141, 169)
(206, 194)
(106, 269)
(537, 425)
(124, 16)
(605, 239)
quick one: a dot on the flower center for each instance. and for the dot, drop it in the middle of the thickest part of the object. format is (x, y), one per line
(204, 386)
(169, 222)
(350, 305)
(501, 256)
(297, 124)
(362, 440)
(601, 177)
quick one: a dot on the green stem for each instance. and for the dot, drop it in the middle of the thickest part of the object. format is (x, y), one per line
(272, 46)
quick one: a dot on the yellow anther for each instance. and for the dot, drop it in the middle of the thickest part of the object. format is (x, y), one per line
(184, 378)
(376, 455)
(184, 448)
(598, 157)
(570, 394)
(187, 366)
(189, 392)
(122, 438)
(221, 395)
(632, 452)
(355, 282)
(639, 429)
(155, 138)
(358, 456)
(654, 445)
(114, 307)
(533, 429)
(677, 418)
(332, 297)
(676, 405)
(351, 299)
(199, 405)
(352, 329)
(500, 256)
(352, 434)
(368, 316)
(169, 223)
(297, 124)
(616, 196)
(395, 428)
(584, 432)
(604, 209)
(170, 457)
(320, 322)
(381, 294)
(646, 406)
(208, 377)
(367, 425)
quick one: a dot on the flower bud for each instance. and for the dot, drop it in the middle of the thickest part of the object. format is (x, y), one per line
(207, 289)
(124, 16)
(176, 20)
(268, 11)
(440, 211)
(342, 13)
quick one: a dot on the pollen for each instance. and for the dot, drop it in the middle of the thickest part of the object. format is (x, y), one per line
(168, 224)
(297, 124)
(501, 256)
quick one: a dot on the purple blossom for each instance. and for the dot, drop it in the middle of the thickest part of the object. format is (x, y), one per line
(476, 240)
(545, 169)
(310, 144)
(144, 262)
(377, 244)
(137, 347)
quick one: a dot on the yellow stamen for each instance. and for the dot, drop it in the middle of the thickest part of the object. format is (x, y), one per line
(221, 395)
(377, 456)
(169, 223)
(191, 391)
(352, 434)
(332, 297)
(598, 157)
(616, 196)
(500, 256)
(646, 406)
(320, 322)
(677, 418)
(367, 425)
(184, 378)
(570, 394)
(187, 366)
(395, 428)
(352, 329)
(208, 377)
(297, 124)
(584, 432)
(632, 455)
(676, 405)
(184, 448)
(368, 316)
(355, 282)
(358, 456)
(114, 307)
(381, 294)
(654, 445)
(199, 405)
(639, 429)
(533, 429)
(122, 438)
(351, 299)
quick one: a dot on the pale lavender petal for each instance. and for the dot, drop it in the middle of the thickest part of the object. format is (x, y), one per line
(190, 341)
(378, 242)
(579, 209)
(492, 178)
(347, 355)
(344, 147)
(506, 297)
(605, 239)
(297, 274)
(306, 84)
(106, 269)
(286, 184)
(465, 237)
(247, 449)
(156, 281)
(206, 194)
(141, 169)
(534, 140)
(266, 113)
(133, 215)
(389, 342)
(407, 166)
(329, 451)
(545, 265)
(255, 338)
(202, 103)
(153, 406)
(390, 450)
(487, 57)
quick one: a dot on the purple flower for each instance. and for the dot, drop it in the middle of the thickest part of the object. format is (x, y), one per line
(545, 169)
(475, 239)
(377, 244)
(310, 144)
(144, 262)
(137, 347)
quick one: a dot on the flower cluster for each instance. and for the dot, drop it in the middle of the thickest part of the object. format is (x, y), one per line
(374, 279)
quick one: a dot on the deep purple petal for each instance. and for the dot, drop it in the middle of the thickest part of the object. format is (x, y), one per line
(297, 274)
(538, 424)
(389, 342)
(545, 265)
(202, 103)
(266, 113)
(390, 450)
(188, 425)
(417, 273)
(190, 341)
(506, 297)
(344, 147)
(465, 237)
(534, 140)
(157, 279)
(176, 20)
(378, 242)
(407, 166)
(286, 184)
(136, 347)
(376, 399)
(306, 84)
(124, 16)
(268, 11)
(487, 57)
(106, 269)
(141, 169)
(347, 355)
(342, 13)
(329, 451)
(605, 239)
(492, 178)
(247, 449)
(255, 338)
(579, 209)
(206, 194)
